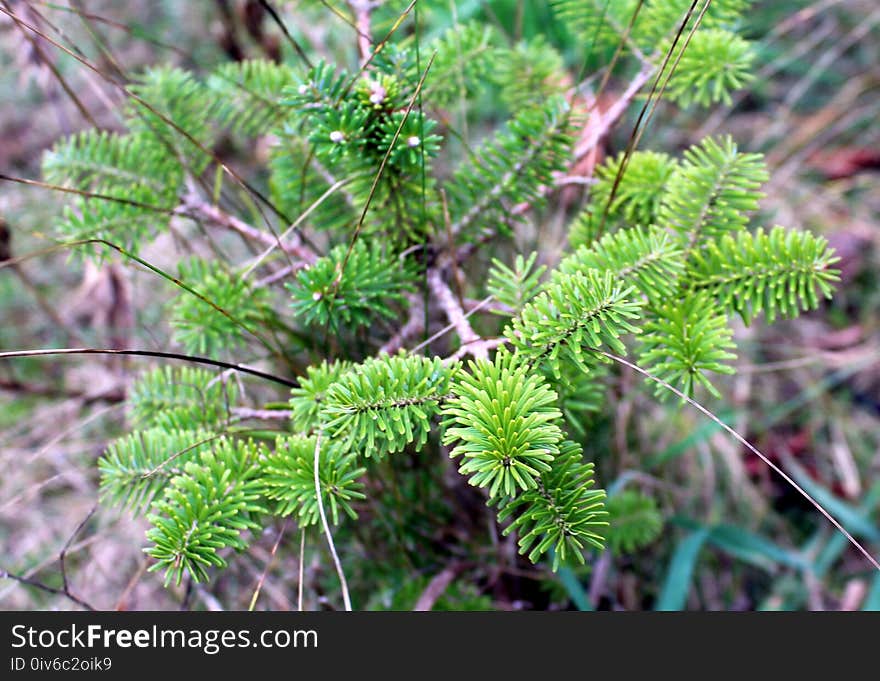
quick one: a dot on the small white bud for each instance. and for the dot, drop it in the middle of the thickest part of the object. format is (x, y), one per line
(377, 95)
(317, 295)
(413, 141)
(337, 136)
(303, 89)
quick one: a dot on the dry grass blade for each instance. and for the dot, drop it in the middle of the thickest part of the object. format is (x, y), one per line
(651, 103)
(748, 445)
(265, 572)
(151, 353)
(346, 598)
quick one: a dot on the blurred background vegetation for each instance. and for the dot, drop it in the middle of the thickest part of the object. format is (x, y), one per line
(733, 536)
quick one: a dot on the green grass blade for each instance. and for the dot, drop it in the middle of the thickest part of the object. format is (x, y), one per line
(837, 543)
(701, 433)
(575, 589)
(754, 549)
(849, 516)
(677, 584)
(872, 602)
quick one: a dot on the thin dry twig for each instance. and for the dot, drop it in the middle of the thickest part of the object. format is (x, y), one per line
(62, 556)
(600, 123)
(294, 227)
(127, 91)
(302, 567)
(651, 101)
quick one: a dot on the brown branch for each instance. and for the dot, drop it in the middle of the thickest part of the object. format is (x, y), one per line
(194, 207)
(414, 325)
(456, 315)
(362, 10)
(12, 385)
(480, 347)
(63, 555)
(44, 305)
(438, 584)
(600, 123)
(598, 126)
(264, 414)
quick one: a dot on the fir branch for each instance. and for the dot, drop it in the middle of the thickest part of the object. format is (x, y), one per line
(205, 510)
(351, 286)
(778, 273)
(712, 191)
(634, 521)
(513, 288)
(307, 400)
(386, 403)
(517, 163)
(684, 339)
(577, 313)
(561, 513)
(62, 560)
(651, 260)
(134, 469)
(288, 472)
(501, 419)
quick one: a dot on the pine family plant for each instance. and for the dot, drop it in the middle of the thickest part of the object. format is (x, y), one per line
(390, 271)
